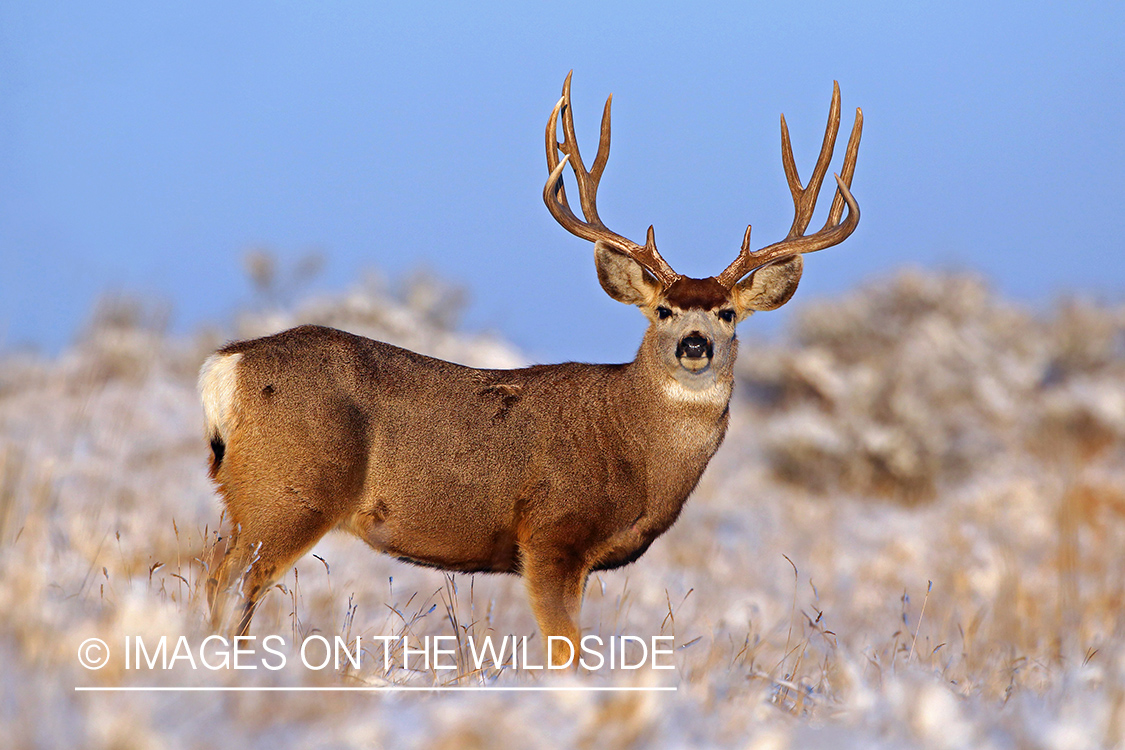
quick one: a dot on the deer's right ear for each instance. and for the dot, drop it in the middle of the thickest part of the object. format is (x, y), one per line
(623, 278)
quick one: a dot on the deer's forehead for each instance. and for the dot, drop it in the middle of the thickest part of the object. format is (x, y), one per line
(697, 294)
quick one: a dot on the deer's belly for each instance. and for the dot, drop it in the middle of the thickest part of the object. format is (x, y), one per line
(465, 537)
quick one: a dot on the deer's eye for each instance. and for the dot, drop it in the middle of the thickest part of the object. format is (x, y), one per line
(727, 316)
(663, 312)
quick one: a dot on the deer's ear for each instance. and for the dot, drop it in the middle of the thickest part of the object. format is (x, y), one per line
(768, 288)
(623, 278)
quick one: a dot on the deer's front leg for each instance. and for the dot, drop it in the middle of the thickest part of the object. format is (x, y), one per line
(555, 582)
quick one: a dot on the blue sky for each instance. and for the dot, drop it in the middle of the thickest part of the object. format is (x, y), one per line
(145, 146)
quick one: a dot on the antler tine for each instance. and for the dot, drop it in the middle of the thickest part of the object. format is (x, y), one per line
(850, 156)
(804, 199)
(834, 231)
(554, 193)
(588, 180)
(601, 158)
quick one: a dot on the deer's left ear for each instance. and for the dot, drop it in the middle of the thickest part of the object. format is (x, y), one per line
(768, 288)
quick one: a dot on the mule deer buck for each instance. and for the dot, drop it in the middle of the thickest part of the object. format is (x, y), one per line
(551, 471)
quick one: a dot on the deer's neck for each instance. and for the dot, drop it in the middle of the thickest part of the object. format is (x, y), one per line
(685, 416)
(671, 430)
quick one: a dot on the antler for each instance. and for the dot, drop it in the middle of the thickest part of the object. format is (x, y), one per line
(554, 194)
(804, 201)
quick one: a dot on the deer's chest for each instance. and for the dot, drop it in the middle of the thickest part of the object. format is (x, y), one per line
(672, 472)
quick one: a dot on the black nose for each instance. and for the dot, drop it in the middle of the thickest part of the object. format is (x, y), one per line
(694, 347)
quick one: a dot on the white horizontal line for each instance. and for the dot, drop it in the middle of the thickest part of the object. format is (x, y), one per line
(373, 689)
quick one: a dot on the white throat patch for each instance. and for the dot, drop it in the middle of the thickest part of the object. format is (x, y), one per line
(716, 395)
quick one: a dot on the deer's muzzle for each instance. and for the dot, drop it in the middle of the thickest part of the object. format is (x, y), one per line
(695, 351)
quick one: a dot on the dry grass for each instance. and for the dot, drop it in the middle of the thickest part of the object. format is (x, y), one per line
(911, 537)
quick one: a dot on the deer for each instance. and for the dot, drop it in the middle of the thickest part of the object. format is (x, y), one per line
(551, 472)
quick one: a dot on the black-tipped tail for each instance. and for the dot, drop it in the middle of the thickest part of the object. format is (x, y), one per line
(218, 450)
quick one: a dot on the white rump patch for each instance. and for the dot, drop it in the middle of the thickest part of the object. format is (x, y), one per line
(218, 379)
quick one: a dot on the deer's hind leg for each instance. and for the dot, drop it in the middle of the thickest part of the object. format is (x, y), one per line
(277, 511)
(268, 536)
(255, 558)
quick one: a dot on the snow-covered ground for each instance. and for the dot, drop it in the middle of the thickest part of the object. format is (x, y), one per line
(912, 537)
